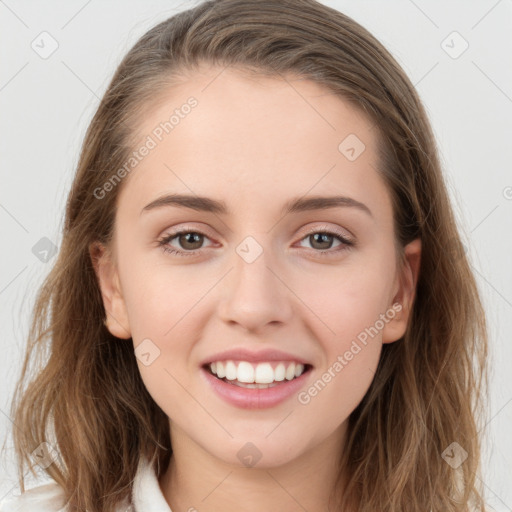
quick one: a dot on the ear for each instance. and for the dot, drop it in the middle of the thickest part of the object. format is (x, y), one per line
(108, 280)
(404, 293)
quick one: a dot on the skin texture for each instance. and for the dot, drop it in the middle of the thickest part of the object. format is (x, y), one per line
(255, 143)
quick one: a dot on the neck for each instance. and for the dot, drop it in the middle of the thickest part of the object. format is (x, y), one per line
(195, 480)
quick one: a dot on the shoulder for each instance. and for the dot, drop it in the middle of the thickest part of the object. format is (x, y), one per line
(49, 497)
(43, 498)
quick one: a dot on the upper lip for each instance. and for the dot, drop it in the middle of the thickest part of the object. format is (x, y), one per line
(242, 354)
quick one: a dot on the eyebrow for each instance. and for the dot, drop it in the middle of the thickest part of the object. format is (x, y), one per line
(300, 204)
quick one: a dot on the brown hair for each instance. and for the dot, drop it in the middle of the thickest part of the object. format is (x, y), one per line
(88, 400)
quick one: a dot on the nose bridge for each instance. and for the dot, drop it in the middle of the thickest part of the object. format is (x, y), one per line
(254, 295)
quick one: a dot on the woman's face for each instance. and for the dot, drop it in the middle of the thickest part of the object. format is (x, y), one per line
(255, 273)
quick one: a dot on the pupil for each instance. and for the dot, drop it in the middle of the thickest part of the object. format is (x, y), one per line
(196, 238)
(325, 240)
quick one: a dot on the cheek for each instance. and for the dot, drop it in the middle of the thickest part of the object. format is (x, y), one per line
(339, 386)
(351, 309)
(351, 354)
(165, 305)
(159, 297)
(346, 299)
(164, 322)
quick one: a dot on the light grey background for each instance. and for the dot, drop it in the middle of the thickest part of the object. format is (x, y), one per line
(46, 104)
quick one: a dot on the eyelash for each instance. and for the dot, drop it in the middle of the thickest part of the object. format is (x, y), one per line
(346, 244)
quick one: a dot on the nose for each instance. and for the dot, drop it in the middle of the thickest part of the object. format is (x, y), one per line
(255, 294)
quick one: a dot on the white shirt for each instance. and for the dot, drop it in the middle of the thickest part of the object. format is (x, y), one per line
(146, 496)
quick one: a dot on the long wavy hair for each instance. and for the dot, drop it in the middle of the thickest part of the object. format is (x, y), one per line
(80, 389)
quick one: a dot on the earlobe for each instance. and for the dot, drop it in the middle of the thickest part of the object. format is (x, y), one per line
(405, 293)
(113, 301)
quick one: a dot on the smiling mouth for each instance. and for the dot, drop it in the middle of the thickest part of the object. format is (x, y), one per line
(256, 376)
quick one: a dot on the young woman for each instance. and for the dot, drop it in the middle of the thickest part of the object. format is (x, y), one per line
(261, 301)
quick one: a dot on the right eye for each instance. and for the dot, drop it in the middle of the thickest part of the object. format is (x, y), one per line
(184, 238)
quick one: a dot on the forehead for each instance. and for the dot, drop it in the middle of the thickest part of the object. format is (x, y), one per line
(251, 136)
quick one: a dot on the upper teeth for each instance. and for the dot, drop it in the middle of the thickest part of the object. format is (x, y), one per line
(261, 373)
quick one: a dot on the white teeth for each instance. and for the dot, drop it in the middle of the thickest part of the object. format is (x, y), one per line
(290, 372)
(264, 374)
(261, 373)
(280, 372)
(245, 372)
(230, 370)
(220, 370)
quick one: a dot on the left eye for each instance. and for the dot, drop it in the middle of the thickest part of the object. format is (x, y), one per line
(325, 240)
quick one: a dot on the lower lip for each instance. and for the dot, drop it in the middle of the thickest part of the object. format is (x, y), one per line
(253, 398)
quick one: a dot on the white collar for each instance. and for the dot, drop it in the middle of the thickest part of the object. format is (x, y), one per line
(146, 493)
(49, 497)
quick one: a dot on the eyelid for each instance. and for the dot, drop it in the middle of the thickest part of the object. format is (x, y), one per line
(331, 229)
(188, 228)
(345, 233)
